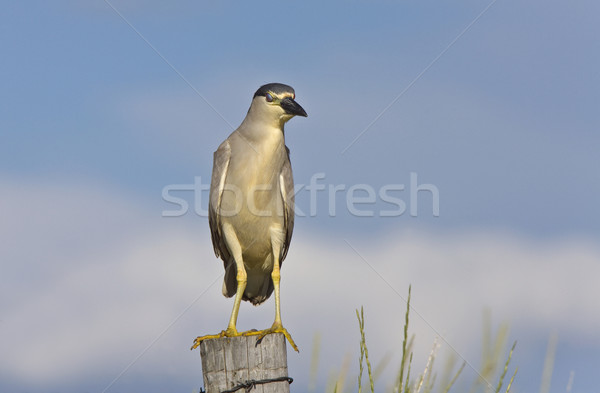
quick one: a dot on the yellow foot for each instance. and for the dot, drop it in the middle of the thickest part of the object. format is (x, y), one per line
(230, 332)
(276, 328)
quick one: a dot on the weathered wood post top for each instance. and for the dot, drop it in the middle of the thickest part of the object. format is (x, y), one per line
(232, 364)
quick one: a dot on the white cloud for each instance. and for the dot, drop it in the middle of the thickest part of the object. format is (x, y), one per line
(125, 278)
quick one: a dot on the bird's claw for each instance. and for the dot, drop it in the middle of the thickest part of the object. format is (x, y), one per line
(230, 332)
(276, 328)
(199, 339)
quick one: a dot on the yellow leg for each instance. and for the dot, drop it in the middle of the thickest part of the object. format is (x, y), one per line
(277, 326)
(242, 279)
(276, 277)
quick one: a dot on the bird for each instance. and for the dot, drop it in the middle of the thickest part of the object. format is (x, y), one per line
(251, 205)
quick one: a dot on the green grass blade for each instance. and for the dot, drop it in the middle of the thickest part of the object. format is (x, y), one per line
(362, 350)
(501, 381)
(455, 377)
(404, 342)
(511, 380)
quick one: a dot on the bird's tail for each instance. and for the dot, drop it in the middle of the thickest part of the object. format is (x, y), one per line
(258, 288)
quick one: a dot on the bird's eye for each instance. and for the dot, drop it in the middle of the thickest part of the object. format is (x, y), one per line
(269, 97)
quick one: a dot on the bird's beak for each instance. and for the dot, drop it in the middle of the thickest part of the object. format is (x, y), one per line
(292, 107)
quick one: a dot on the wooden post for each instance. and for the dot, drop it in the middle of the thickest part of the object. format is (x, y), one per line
(230, 361)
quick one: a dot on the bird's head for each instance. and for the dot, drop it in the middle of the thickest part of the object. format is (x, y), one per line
(276, 102)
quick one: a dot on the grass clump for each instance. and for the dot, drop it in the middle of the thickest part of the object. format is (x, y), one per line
(494, 366)
(425, 382)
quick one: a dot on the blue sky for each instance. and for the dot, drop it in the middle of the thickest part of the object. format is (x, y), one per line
(95, 123)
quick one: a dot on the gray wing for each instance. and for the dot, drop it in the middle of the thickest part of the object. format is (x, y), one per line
(217, 183)
(286, 181)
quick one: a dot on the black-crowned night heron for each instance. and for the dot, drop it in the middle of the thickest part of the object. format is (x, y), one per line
(251, 208)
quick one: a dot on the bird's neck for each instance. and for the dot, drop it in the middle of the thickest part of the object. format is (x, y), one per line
(262, 130)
